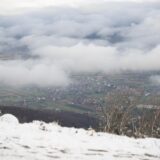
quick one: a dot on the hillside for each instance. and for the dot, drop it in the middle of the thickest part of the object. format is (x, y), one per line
(42, 141)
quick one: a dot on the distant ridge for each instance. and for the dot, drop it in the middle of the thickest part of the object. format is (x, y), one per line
(64, 118)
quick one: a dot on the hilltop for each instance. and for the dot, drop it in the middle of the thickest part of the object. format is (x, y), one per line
(39, 140)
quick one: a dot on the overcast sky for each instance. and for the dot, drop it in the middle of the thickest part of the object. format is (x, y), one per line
(44, 42)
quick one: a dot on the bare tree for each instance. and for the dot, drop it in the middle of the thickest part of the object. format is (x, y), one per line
(115, 110)
(117, 115)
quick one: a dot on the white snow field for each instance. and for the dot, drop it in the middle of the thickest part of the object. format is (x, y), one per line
(42, 141)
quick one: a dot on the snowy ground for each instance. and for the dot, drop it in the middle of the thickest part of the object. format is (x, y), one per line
(41, 141)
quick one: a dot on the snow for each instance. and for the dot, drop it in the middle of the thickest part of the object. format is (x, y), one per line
(42, 141)
(8, 118)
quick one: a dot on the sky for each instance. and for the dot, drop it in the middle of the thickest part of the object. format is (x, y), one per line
(13, 6)
(43, 43)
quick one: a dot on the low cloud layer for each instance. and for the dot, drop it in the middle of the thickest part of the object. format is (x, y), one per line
(45, 45)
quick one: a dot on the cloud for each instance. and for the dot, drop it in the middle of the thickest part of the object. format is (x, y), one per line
(20, 73)
(45, 45)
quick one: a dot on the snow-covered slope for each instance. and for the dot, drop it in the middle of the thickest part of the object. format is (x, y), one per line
(41, 141)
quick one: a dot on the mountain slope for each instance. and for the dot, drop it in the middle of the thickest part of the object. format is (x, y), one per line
(42, 141)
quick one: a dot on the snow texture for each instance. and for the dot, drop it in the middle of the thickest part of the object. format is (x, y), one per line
(42, 141)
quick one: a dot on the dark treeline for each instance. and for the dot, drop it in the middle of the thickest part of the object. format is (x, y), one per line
(64, 118)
